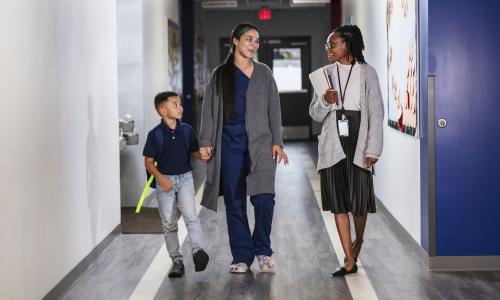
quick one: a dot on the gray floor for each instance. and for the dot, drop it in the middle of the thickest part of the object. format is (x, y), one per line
(148, 220)
(303, 253)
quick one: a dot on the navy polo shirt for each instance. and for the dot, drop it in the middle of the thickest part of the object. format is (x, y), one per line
(178, 144)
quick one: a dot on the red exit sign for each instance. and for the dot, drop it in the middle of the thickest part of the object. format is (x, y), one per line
(264, 14)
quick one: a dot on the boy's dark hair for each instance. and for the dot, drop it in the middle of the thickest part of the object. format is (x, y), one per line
(162, 97)
(351, 34)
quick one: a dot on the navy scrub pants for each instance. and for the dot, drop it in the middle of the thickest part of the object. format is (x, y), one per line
(244, 245)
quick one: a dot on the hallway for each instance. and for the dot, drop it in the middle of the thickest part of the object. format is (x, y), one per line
(78, 82)
(306, 251)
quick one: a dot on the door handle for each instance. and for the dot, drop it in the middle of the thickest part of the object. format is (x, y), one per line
(442, 123)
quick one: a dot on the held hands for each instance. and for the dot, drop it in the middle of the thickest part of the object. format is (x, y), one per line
(206, 153)
(165, 183)
(370, 161)
(277, 150)
(331, 96)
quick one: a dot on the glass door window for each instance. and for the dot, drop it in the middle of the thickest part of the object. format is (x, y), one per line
(287, 69)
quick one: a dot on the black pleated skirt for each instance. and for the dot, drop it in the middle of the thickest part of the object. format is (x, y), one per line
(346, 187)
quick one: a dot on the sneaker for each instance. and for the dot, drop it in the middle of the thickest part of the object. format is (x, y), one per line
(266, 263)
(200, 259)
(177, 269)
(239, 268)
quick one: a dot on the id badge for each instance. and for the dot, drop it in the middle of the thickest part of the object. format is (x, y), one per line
(343, 127)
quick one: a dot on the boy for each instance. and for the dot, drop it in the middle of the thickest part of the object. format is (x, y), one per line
(170, 145)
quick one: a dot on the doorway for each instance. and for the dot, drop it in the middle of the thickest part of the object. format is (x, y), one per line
(290, 60)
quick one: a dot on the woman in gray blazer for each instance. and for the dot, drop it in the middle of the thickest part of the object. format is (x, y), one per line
(350, 142)
(240, 137)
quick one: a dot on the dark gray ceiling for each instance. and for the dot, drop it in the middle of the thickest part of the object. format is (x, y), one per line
(257, 4)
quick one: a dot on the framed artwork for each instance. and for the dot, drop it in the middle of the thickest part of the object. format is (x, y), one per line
(174, 57)
(200, 67)
(402, 66)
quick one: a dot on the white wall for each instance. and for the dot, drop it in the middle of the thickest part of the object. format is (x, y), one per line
(142, 73)
(130, 96)
(59, 165)
(397, 180)
(155, 25)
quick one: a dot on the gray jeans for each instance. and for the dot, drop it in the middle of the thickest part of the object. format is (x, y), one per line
(173, 203)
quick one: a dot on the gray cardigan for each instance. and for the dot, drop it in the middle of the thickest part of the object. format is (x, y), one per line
(371, 127)
(263, 126)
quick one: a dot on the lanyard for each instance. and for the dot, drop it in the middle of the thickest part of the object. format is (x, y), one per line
(342, 95)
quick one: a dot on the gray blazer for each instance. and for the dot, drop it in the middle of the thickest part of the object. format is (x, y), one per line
(263, 126)
(371, 127)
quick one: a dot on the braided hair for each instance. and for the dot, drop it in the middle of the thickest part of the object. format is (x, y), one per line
(224, 74)
(351, 35)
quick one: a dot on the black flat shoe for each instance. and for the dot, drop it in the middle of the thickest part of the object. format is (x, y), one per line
(343, 271)
(200, 259)
(177, 269)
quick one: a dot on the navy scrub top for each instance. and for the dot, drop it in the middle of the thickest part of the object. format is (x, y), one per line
(234, 134)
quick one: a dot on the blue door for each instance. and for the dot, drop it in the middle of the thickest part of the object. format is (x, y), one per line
(464, 56)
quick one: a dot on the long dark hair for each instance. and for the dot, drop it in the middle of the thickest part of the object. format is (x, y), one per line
(351, 34)
(225, 73)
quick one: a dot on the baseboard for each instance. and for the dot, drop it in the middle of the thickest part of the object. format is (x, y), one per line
(403, 233)
(441, 263)
(464, 263)
(63, 286)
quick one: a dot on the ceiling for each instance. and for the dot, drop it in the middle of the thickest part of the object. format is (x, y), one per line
(257, 4)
